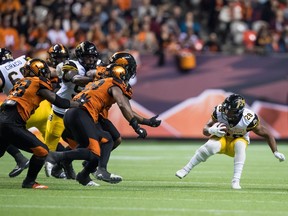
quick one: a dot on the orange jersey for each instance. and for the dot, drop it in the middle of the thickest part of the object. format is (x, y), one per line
(101, 100)
(100, 72)
(25, 94)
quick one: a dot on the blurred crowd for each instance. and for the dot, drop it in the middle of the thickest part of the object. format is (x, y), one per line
(147, 26)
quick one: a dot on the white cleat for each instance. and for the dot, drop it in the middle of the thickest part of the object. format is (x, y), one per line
(235, 185)
(92, 184)
(48, 168)
(182, 173)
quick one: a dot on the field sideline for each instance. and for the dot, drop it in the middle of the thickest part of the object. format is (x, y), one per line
(150, 187)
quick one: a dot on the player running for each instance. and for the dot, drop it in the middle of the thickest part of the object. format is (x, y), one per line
(228, 130)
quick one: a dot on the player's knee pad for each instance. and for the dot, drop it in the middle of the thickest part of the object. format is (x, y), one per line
(208, 149)
(213, 146)
(202, 153)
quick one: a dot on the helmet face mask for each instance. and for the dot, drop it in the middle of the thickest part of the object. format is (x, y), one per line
(57, 54)
(89, 61)
(5, 56)
(127, 61)
(87, 54)
(233, 107)
(36, 67)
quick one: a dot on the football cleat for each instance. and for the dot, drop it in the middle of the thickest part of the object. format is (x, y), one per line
(52, 159)
(68, 169)
(34, 185)
(86, 181)
(103, 175)
(57, 172)
(48, 168)
(19, 169)
(182, 173)
(235, 184)
(92, 184)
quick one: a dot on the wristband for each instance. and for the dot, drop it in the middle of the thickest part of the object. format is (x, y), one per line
(146, 121)
(134, 124)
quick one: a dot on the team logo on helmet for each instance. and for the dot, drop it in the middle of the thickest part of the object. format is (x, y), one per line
(240, 102)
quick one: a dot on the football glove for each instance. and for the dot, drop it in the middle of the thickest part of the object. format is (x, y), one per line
(217, 129)
(140, 131)
(152, 122)
(279, 156)
(84, 98)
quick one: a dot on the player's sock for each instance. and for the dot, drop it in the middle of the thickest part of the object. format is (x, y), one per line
(239, 159)
(16, 154)
(36, 164)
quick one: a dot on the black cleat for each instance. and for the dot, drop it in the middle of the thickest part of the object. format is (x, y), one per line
(58, 172)
(68, 169)
(103, 175)
(19, 169)
(86, 181)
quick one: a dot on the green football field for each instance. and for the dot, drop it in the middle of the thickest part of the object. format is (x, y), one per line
(150, 187)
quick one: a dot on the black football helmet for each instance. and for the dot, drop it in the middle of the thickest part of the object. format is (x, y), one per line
(87, 54)
(233, 107)
(5, 56)
(57, 53)
(36, 67)
(126, 60)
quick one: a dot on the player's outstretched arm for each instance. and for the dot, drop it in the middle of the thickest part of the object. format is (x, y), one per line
(126, 110)
(262, 131)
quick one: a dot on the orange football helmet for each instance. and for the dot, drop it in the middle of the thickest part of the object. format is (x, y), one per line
(36, 67)
(127, 61)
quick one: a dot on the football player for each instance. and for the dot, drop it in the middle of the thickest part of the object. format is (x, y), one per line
(231, 137)
(9, 74)
(87, 59)
(57, 55)
(22, 101)
(127, 61)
